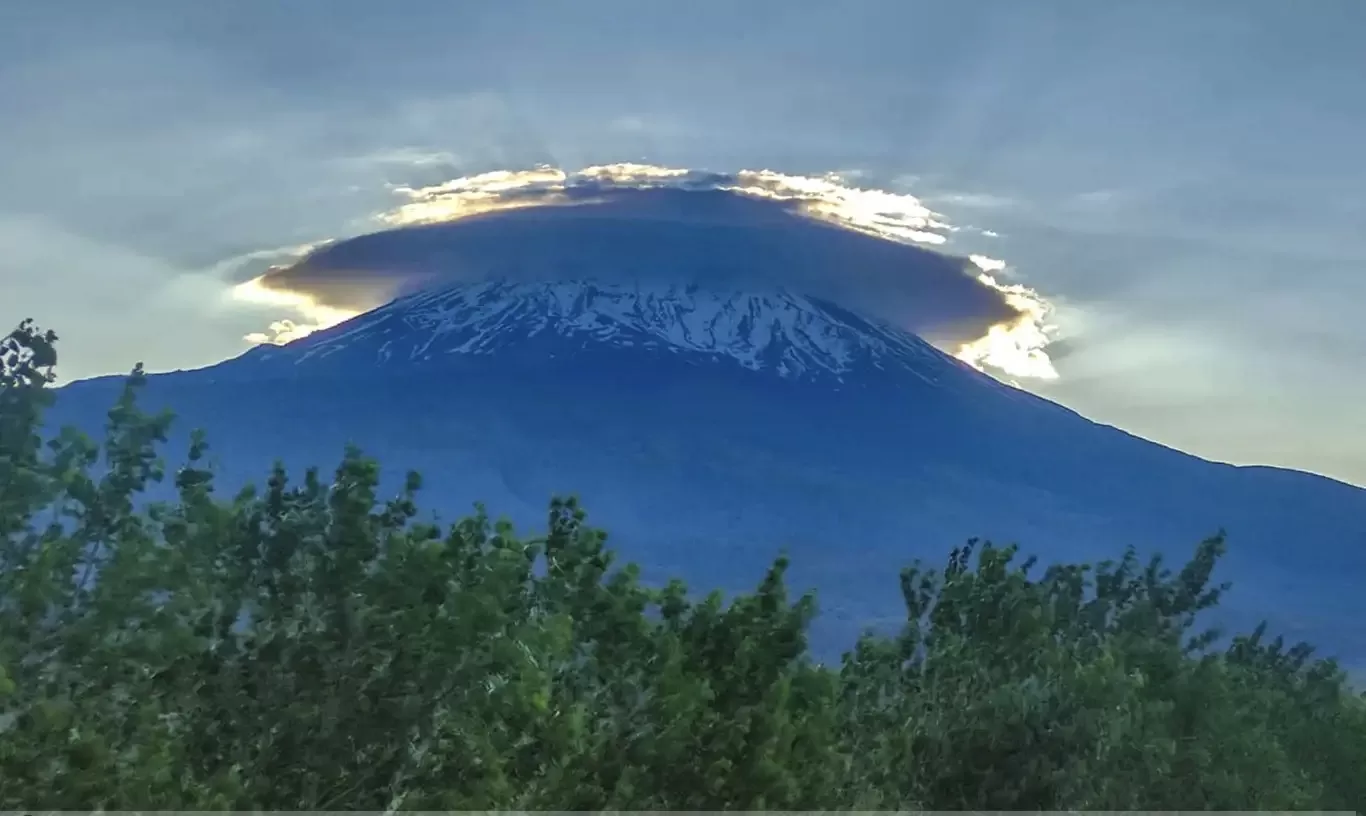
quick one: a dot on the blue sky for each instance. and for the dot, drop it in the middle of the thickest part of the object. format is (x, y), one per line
(1182, 180)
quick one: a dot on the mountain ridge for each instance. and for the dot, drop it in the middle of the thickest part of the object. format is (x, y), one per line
(788, 333)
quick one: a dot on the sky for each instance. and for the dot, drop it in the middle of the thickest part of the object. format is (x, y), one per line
(1180, 183)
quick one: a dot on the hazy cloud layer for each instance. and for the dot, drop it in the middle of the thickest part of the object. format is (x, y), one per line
(867, 249)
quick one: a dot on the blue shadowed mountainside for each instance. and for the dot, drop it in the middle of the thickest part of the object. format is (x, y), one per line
(642, 357)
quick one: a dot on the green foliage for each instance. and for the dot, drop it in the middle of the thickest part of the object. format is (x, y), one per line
(309, 645)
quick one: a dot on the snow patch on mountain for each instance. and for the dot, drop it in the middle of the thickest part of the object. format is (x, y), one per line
(780, 331)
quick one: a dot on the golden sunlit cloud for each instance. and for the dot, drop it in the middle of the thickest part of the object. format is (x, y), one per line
(1017, 348)
(314, 316)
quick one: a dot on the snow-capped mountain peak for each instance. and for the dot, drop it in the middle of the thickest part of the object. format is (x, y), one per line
(779, 331)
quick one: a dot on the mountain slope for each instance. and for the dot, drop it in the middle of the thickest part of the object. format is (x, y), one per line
(709, 429)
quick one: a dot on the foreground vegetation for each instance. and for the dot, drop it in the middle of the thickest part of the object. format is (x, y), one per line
(309, 646)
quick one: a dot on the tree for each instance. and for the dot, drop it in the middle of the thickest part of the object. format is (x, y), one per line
(312, 645)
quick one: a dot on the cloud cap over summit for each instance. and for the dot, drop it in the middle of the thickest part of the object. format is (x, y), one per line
(652, 225)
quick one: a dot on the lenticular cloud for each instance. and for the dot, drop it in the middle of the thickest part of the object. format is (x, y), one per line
(871, 250)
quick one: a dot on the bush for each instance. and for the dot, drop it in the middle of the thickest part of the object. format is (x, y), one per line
(309, 646)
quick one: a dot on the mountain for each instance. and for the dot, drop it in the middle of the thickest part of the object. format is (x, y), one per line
(776, 332)
(708, 429)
